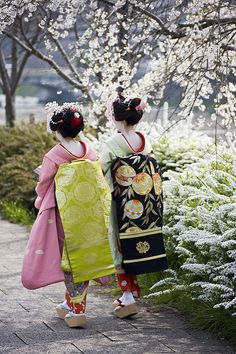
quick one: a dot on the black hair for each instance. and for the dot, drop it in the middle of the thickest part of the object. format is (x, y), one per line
(66, 123)
(127, 111)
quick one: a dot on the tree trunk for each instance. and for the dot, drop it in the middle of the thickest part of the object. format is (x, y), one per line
(10, 110)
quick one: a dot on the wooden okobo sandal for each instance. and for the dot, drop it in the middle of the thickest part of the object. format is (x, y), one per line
(75, 321)
(62, 310)
(122, 311)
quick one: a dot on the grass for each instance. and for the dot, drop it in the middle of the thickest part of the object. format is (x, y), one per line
(16, 213)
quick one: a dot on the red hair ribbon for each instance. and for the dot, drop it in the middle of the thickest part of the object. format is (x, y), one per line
(75, 122)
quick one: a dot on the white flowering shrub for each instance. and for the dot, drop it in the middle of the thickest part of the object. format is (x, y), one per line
(199, 213)
(200, 231)
(174, 149)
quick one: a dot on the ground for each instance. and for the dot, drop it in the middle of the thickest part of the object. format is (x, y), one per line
(28, 321)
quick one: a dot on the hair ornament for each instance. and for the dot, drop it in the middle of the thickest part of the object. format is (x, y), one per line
(75, 121)
(53, 108)
(129, 105)
(141, 105)
(51, 121)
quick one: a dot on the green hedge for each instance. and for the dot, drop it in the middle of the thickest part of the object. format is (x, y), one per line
(21, 151)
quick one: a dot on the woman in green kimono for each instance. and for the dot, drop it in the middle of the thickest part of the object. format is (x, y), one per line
(125, 114)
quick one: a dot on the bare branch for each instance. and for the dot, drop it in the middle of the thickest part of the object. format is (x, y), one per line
(67, 59)
(31, 49)
(204, 23)
(4, 74)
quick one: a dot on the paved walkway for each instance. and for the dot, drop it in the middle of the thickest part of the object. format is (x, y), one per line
(28, 322)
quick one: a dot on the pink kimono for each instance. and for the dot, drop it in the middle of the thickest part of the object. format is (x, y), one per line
(42, 260)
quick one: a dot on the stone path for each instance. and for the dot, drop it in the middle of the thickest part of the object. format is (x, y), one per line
(28, 322)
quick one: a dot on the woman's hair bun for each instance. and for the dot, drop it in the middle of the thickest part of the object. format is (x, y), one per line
(135, 102)
(69, 122)
(138, 103)
(129, 110)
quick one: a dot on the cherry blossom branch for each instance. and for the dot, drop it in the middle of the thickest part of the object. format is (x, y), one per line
(178, 33)
(31, 49)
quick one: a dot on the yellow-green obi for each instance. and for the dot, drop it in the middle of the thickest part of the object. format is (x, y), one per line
(83, 199)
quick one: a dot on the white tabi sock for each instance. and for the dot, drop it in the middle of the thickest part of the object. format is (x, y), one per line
(127, 298)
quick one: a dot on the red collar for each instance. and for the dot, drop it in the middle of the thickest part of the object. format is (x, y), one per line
(141, 148)
(77, 157)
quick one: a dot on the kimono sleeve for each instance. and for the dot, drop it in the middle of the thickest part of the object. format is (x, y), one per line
(106, 158)
(46, 177)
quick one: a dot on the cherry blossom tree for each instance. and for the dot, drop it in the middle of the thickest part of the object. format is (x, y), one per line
(99, 48)
(145, 46)
(199, 55)
(13, 59)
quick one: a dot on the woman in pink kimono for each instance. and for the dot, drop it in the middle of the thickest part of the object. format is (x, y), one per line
(47, 230)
